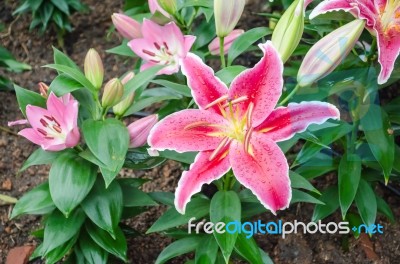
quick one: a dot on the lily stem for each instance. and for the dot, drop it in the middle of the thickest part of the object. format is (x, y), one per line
(290, 95)
(221, 52)
(8, 131)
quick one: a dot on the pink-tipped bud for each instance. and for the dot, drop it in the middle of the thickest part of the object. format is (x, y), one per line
(328, 52)
(227, 14)
(140, 130)
(120, 108)
(213, 47)
(128, 27)
(113, 92)
(43, 89)
(94, 70)
(168, 5)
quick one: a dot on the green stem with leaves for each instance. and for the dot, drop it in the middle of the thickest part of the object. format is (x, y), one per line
(221, 52)
(290, 95)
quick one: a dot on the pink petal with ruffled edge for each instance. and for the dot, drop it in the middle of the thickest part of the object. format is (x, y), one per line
(262, 84)
(388, 49)
(265, 172)
(182, 131)
(205, 86)
(284, 122)
(202, 171)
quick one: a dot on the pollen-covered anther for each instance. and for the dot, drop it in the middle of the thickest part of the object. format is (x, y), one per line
(247, 138)
(236, 101)
(215, 102)
(220, 147)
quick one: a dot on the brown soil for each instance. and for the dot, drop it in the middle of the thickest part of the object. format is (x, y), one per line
(90, 31)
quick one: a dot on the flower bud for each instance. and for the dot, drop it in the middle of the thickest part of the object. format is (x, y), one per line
(94, 70)
(43, 89)
(113, 92)
(214, 45)
(140, 130)
(328, 52)
(127, 26)
(287, 33)
(227, 14)
(168, 5)
(120, 108)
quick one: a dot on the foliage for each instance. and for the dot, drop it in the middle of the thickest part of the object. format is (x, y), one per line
(8, 62)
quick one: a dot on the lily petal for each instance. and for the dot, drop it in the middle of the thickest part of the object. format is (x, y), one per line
(205, 86)
(284, 122)
(58, 109)
(389, 49)
(31, 135)
(34, 114)
(202, 171)
(262, 84)
(17, 122)
(188, 130)
(189, 41)
(265, 171)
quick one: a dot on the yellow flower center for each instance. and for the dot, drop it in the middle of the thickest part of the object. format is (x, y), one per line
(390, 15)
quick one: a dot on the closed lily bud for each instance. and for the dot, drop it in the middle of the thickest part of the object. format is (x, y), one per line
(328, 52)
(43, 89)
(214, 45)
(120, 108)
(227, 14)
(168, 5)
(287, 33)
(113, 92)
(94, 70)
(140, 130)
(128, 27)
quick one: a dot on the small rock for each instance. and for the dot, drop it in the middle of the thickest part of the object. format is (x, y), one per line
(6, 185)
(3, 142)
(19, 255)
(7, 230)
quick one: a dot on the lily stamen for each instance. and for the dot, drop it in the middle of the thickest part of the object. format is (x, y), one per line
(219, 100)
(250, 114)
(236, 101)
(247, 138)
(221, 145)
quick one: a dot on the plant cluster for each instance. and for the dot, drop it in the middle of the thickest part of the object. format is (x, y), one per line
(315, 84)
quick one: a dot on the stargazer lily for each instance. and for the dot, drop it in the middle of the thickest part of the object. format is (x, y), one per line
(162, 45)
(382, 20)
(54, 128)
(237, 128)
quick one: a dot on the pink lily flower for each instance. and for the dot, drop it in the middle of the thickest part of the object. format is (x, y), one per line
(162, 45)
(237, 128)
(155, 6)
(54, 128)
(213, 47)
(140, 129)
(382, 20)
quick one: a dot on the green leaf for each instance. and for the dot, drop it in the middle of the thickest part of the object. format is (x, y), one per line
(25, 97)
(299, 182)
(37, 201)
(384, 208)
(59, 229)
(187, 157)
(198, 207)
(225, 207)
(247, 248)
(70, 179)
(178, 248)
(63, 84)
(132, 196)
(376, 125)
(62, 59)
(139, 159)
(366, 203)
(176, 87)
(116, 246)
(331, 199)
(74, 74)
(141, 79)
(91, 251)
(166, 198)
(244, 41)
(123, 50)
(299, 196)
(142, 103)
(104, 206)
(62, 5)
(58, 253)
(108, 140)
(207, 253)
(349, 178)
(229, 73)
(40, 157)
